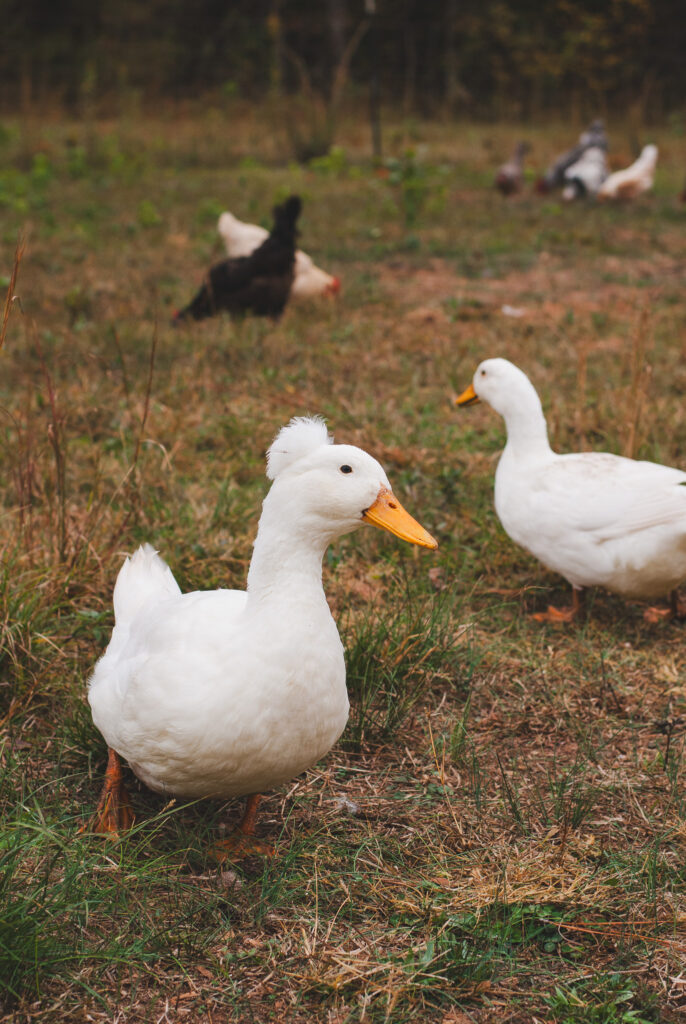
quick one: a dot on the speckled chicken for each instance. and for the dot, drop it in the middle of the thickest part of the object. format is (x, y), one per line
(510, 175)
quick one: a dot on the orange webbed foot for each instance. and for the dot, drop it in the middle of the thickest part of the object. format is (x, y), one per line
(653, 615)
(555, 615)
(114, 813)
(676, 610)
(560, 616)
(243, 842)
(240, 845)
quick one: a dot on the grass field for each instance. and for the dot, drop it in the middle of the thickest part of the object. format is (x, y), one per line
(500, 835)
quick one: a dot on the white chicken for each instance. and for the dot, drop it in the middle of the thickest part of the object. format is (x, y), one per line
(633, 180)
(242, 239)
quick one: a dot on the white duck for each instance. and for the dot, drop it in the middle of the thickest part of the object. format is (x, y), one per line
(597, 519)
(242, 239)
(633, 180)
(225, 693)
(585, 176)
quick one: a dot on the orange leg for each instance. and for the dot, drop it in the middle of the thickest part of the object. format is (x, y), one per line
(243, 842)
(562, 615)
(676, 610)
(114, 813)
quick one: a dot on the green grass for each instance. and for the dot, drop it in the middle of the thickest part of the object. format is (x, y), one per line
(499, 835)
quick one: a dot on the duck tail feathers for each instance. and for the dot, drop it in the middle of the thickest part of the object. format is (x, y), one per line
(142, 579)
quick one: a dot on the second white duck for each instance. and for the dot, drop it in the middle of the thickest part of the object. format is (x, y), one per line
(595, 518)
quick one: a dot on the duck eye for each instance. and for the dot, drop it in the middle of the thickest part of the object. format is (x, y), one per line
(483, 373)
(346, 469)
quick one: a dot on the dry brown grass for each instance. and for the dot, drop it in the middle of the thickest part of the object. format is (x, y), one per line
(437, 873)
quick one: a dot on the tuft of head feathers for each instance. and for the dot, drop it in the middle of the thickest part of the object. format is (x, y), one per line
(302, 436)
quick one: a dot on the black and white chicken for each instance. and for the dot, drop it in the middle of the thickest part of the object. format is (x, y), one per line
(310, 281)
(554, 177)
(259, 283)
(585, 177)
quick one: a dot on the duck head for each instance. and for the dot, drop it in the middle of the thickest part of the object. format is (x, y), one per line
(325, 490)
(503, 385)
(508, 390)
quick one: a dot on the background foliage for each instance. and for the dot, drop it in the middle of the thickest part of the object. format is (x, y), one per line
(503, 56)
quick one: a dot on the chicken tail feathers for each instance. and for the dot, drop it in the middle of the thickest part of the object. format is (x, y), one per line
(285, 218)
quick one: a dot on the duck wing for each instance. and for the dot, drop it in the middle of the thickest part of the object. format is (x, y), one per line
(612, 496)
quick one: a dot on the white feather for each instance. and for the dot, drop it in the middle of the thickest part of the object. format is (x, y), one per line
(302, 436)
(239, 238)
(143, 578)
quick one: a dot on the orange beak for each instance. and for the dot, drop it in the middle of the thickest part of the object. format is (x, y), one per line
(468, 397)
(335, 286)
(388, 513)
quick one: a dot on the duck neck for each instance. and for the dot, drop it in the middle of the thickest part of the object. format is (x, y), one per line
(527, 432)
(287, 554)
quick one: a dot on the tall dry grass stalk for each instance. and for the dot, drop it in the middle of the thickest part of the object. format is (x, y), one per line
(25, 476)
(146, 402)
(581, 375)
(11, 296)
(25, 473)
(131, 483)
(55, 433)
(640, 379)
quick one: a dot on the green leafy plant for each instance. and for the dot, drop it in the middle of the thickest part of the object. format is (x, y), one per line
(333, 163)
(414, 186)
(147, 215)
(598, 1000)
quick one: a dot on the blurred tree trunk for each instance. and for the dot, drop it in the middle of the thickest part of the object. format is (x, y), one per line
(336, 19)
(452, 81)
(274, 28)
(374, 86)
(409, 91)
(26, 92)
(26, 121)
